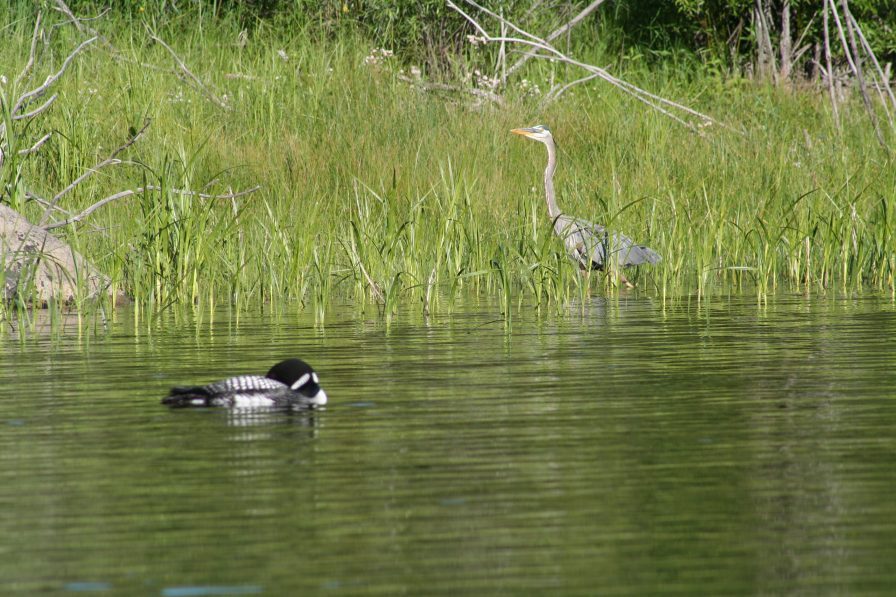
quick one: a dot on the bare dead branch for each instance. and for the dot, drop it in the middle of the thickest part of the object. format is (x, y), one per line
(62, 7)
(830, 68)
(557, 33)
(558, 90)
(90, 172)
(37, 145)
(785, 44)
(41, 201)
(434, 86)
(37, 110)
(112, 160)
(186, 71)
(127, 193)
(852, 54)
(883, 83)
(656, 102)
(765, 52)
(39, 91)
(133, 139)
(26, 70)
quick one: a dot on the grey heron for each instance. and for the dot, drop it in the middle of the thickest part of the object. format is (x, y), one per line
(588, 244)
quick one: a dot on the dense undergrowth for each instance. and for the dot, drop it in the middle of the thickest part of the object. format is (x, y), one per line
(377, 193)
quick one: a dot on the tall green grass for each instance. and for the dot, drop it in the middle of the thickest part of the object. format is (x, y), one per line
(377, 193)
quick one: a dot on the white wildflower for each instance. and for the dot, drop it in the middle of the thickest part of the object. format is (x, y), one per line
(483, 81)
(529, 88)
(3, 80)
(282, 54)
(377, 56)
(177, 97)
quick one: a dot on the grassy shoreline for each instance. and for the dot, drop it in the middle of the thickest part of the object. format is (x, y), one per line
(377, 193)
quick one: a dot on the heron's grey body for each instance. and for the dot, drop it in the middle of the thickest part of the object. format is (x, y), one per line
(590, 245)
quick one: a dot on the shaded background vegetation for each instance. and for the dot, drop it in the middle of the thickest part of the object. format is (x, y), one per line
(429, 30)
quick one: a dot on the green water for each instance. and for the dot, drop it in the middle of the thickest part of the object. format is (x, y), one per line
(638, 448)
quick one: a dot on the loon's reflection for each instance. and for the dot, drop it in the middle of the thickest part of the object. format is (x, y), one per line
(264, 421)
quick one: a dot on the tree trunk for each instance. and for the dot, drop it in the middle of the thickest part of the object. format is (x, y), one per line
(785, 43)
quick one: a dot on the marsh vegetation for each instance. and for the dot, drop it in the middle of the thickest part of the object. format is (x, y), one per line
(378, 191)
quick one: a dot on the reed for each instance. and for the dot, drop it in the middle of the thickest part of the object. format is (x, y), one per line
(377, 193)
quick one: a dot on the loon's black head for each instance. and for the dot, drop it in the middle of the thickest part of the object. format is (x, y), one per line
(299, 376)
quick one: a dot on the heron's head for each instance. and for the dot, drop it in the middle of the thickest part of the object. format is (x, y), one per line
(539, 132)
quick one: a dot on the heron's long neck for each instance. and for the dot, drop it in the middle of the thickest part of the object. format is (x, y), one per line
(553, 210)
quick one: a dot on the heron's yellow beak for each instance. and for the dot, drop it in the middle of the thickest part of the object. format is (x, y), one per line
(523, 132)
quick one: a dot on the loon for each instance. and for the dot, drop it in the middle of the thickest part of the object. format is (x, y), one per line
(290, 383)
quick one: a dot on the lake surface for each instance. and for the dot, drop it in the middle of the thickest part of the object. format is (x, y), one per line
(714, 447)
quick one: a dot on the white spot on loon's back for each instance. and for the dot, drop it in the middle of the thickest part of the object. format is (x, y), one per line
(251, 401)
(248, 383)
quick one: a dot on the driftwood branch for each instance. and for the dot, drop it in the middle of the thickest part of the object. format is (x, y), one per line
(128, 192)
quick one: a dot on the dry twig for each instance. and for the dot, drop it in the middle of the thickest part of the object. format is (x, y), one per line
(137, 191)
